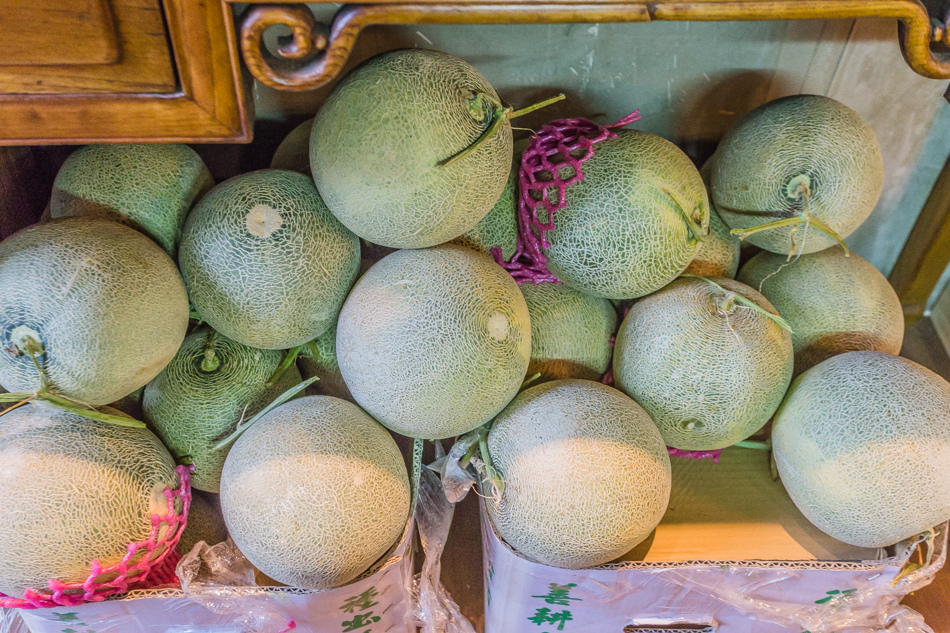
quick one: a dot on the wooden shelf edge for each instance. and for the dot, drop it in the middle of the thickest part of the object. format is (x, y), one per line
(82, 119)
(315, 53)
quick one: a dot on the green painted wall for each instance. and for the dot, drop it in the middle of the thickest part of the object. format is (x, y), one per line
(691, 81)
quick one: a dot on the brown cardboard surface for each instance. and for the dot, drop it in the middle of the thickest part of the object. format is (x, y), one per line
(733, 510)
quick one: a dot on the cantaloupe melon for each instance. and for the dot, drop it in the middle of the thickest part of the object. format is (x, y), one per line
(434, 343)
(586, 474)
(719, 251)
(834, 304)
(205, 523)
(103, 305)
(862, 443)
(210, 385)
(293, 153)
(380, 137)
(74, 491)
(319, 359)
(718, 254)
(149, 187)
(570, 332)
(315, 492)
(709, 368)
(498, 229)
(634, 223)
(265, 262)
(792, 152)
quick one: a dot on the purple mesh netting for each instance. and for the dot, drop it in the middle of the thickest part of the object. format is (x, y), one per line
(551, 150)
(150, 570)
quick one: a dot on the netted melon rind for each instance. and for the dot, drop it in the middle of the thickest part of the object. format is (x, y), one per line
(74, 490)
(205, 523)
(620, 235)
(862, 444)
(718, 254)
(586, 473)
(570, 332)
(378, 139)
(498, 229)
(315, 492)
(192, 410)
(808, 135)
(834, 304)
(707, 378)
(434, 343)
(107, 303)
(321, 362)
(293, 153)
(148, 187)
(265, 262)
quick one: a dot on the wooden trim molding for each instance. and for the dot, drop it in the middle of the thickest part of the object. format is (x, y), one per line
(926, 252)
(315, 53)
(210, 105)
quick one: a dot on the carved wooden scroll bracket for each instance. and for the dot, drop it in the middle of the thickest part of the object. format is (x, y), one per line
(314, 53)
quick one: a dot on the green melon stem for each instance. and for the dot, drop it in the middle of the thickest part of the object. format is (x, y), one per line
(759, 446)
(285, 364)
(802, 219)
(210, 361)
(514, 114)
(310, 349)
(279, 400)
(45, 393)
(500, 115)
(697, 232)
(748, 303)
(528, 381)
(469, 454)
(493, 476)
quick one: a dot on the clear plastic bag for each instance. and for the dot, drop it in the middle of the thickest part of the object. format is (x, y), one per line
(434, 611)
(221, 580)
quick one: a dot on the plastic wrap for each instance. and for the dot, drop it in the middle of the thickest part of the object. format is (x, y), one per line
(434, 610)
(11, 622)
(218, 595)
(221, 580)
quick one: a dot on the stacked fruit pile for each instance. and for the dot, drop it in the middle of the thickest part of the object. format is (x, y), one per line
(214, 307)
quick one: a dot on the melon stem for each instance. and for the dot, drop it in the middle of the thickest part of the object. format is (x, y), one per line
(697, 232)
(802, 219)
(759, 446)
(210, 362)
(514, 114)
(742, 301)
(285, 364)
(46, 394)
(500, 115)
(279, 400)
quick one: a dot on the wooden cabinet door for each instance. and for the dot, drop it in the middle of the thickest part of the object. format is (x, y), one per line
(84, 46)
(85, 71)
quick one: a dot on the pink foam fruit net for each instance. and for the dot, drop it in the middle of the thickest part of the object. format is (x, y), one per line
(565, 144)
(134, 571)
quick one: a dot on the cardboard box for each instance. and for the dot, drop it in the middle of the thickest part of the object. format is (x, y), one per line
(732, 555)
(376, 602)
(372, 604)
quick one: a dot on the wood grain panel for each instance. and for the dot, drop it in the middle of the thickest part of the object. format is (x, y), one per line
(209, 105)
(143, 62)
(53, 32)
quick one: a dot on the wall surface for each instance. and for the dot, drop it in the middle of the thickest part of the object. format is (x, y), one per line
(692, 80)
